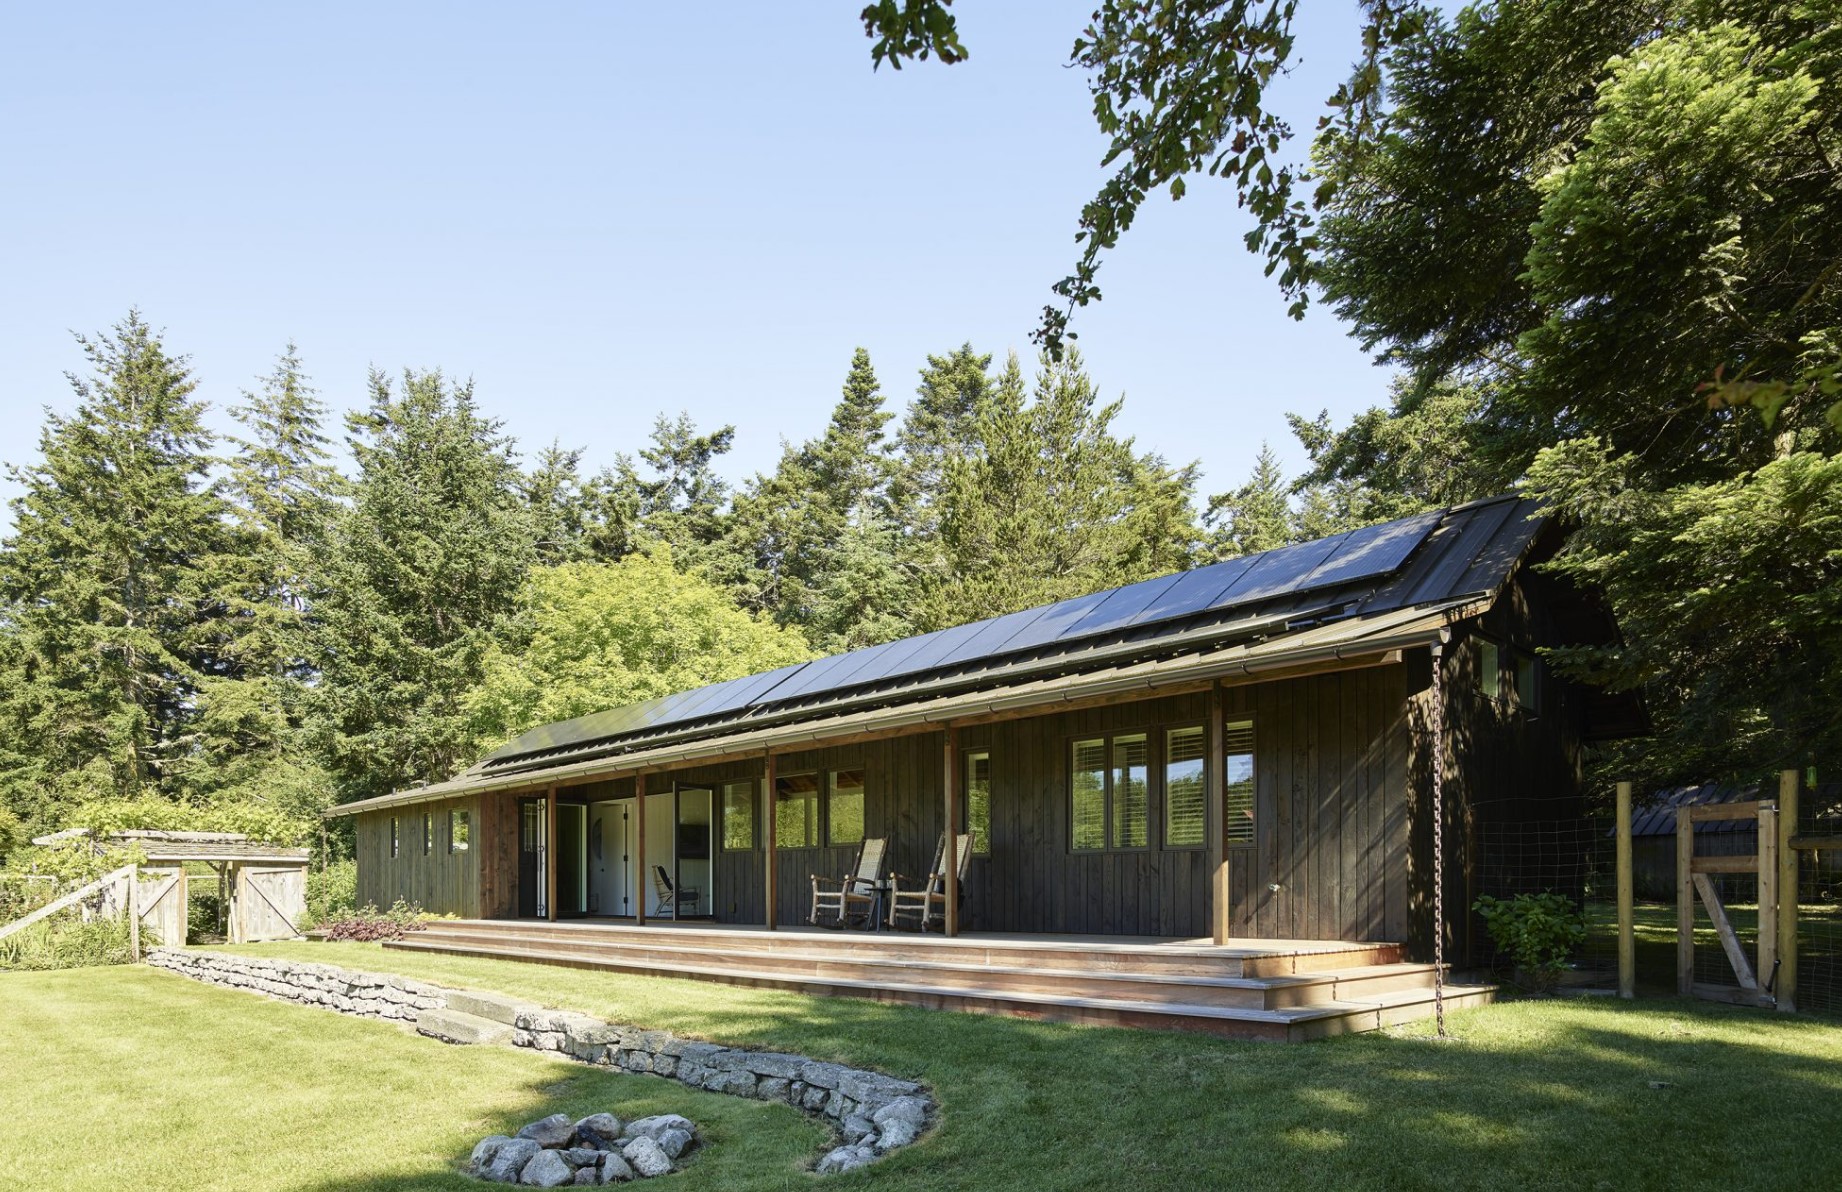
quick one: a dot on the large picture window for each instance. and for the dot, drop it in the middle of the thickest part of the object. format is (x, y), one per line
(739, 816)
(796, 811)
(844, 808)
(1111, 792)
(978, 801)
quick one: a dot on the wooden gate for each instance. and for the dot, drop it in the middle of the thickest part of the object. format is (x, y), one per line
(266, 903)
(1757, 982)
(161, 901)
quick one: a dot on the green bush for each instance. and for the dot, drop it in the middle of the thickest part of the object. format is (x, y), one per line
(65, 941)
(1539, 932)
(204, 916)
(332, 893)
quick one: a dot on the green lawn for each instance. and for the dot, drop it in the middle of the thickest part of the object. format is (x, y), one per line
(129, 1077)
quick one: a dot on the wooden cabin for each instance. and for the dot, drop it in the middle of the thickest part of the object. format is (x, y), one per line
(1244, 751)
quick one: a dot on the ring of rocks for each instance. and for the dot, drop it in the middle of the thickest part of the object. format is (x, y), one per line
(870, 1113)
(600, 1149)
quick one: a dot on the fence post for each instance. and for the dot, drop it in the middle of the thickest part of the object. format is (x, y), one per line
(1767, 862)
(134, 913)
(1685, 902)
(1786, 988)
(1627, 915)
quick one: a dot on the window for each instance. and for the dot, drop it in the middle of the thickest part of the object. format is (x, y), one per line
(1508, 676)
(428, 832)
(978, 802)
(1184, 806)
(796, 811)
(457, 831)
(396, 840)
(1111, 792)
(1238, 800)
(533, 825)
(739, 816)
(844, 808)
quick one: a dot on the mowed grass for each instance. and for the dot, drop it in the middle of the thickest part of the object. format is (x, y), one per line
(202, 1087)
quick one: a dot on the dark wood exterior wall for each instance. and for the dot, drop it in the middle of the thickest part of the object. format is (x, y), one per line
(441, 881)
(1343, 845)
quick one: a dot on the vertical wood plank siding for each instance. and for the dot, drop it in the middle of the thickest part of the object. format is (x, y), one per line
(1342, 848)
(442, 881)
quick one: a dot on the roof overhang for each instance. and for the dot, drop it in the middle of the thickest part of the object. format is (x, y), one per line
(1336, 645)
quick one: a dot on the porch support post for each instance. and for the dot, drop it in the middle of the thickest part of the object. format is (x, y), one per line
(950, 857)
(1215, 827)
(550, 853)
(769, 842)
(641, 878)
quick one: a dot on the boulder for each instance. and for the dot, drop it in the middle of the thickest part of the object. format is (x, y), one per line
(846, 1158)
(599, 1130)
(552, 1132)
(912, 1110)
(587, 1177)
(675, 1142)
(652, 1127)
(581, 1156)
(894, 1133)
(483, 1153)
(546, 1170)
(646, 1157)
(508, 1160)
(615, 1169)
(855, 1129)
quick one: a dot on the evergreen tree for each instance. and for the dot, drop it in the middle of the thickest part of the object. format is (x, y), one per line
(683, 504)
(1046, 503)
(937, 428)
(561, 506)
(111, 625)
(424, 576)
(284, 494)
(1256, 516)
(813, 545)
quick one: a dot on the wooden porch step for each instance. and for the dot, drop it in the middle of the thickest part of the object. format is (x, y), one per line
(1251, 958)
(658, 954)
(1289, 1023)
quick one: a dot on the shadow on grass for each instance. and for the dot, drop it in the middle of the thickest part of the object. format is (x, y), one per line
(1556, 1094)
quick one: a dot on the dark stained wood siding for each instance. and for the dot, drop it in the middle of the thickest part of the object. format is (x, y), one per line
(441, 881)
(1343, 843)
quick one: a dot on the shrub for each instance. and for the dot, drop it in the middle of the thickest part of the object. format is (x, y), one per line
(1537, 931)
(204, 916)
(65, 941)
(368, 924)
(332, 894)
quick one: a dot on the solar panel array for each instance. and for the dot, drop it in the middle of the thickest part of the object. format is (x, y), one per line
(1368, 553)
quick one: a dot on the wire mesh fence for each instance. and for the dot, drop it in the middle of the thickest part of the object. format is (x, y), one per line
(1575, 858)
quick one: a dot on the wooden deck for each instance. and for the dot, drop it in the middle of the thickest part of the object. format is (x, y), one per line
(1257, 989)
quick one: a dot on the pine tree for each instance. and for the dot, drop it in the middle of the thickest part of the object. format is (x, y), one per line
(111, 624)
(813, 543)
(1045, 502)
(937, 427)
(560, 505)
(1256, 516)
(284, 493)
(425, 571)
(683, 505)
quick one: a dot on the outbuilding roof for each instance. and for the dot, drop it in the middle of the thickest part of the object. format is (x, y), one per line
(1373, 589)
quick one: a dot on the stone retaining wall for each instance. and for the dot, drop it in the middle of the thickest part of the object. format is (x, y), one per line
(871, 1112)
(368, 995)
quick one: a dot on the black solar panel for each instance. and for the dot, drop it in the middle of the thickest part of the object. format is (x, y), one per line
(1278, 571)
(821, 674)
(943, 643)
(889, 660)
(992, 635)
(1054, 623)
(1122, 606)
(1195, 591)
(1373, 551)
(737, 694)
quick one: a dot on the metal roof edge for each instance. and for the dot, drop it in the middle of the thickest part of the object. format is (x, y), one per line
(1342, 640)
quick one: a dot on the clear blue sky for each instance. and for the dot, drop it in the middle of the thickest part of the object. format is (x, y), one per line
(601, 212)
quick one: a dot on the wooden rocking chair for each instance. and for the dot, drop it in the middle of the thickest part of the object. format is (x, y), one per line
(928, 904)
(852, 897)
